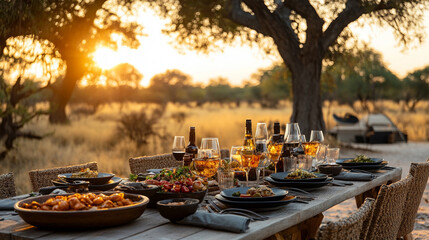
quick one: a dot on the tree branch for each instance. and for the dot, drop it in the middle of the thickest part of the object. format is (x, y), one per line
(351, 12)
(236, 13)
(284, 13)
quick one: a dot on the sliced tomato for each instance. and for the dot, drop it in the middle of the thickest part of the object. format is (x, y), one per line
(245, 195)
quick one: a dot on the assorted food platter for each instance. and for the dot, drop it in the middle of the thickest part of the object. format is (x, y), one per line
(299, 184)
(230, 194)
(282, 177)
(81, 219)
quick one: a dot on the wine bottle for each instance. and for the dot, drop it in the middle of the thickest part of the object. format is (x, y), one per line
(248, 151)
(275, 146)
(192, 149)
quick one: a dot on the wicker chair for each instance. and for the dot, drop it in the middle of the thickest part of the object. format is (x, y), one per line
(141, 164)
(387, 215)
(420, 172)
(7, 185)
(351, 227)
(42, 177)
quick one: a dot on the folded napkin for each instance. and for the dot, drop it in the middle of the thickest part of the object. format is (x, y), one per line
(354, 176)
(8, 203)
(224, 222)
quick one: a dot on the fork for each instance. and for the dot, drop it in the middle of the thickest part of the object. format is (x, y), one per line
(238, 211)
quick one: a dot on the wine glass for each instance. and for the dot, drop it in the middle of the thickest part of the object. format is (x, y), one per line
(292, 129)
(179, 147)
(249, 160)
(316, 136)
(262, 154)
(211, 143)
(208, 161)
(235, 157)
(332, 155)
(321, 154)
(261, 132)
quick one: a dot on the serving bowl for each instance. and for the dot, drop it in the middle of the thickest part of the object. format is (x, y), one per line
(177, 212)
(330, 169)
(172, 195)
(82, 219)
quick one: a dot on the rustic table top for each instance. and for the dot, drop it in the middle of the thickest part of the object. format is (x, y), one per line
(152, 226)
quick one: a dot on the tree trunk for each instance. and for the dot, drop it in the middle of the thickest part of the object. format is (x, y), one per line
(307, 102)
(63, 92)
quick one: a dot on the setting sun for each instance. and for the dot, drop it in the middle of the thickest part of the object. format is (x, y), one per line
(106, 58)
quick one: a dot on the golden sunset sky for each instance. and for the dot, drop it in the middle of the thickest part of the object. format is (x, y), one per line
(155, 55)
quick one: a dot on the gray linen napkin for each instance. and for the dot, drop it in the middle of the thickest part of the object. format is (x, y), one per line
(8, 203)
(224, 222)
(354, 176)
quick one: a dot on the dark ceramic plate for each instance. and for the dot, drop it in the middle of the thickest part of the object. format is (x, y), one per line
(169, 195)
(85, 219)
(345, 162)
(102, 178)
(280, 177)
(367, 167)
(227, 193)
(297, 184)
(254, 204)
(147, 190)
(112, 183)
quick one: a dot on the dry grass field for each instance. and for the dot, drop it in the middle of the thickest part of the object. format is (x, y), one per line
(95, 138)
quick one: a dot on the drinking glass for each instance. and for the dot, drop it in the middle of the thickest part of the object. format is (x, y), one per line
(262, 154)
(211, 143)
(208, 161)
(316, 136)
(179, 147)
(292, 129)
(225, 179)
(261, 132)
(321, 154)
(332, 155)
(235, 157)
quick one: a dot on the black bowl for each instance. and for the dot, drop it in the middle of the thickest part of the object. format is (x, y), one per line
(170, 195)
(329, 169)
(101, 179)
(177, 212)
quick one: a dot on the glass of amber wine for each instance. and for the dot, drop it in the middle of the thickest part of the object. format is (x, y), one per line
(208, 160)
(249, 160)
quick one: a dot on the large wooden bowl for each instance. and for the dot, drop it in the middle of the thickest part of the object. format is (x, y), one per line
(83, 219)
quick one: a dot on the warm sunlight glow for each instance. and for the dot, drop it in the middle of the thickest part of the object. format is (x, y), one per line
(106, 58)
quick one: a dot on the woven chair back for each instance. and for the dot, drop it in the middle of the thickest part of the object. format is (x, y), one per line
(141, 164)
(7, 185)
(43, 177)
(349, 228)
(420, 172)
(389, 205)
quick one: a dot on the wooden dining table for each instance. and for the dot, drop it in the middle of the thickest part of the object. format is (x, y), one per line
(298, 219)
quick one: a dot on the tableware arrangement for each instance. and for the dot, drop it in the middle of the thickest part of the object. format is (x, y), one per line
(177, 208)
(112, 183)
(101, 179)
(229, 194)
(367, 164)
(255, 205)
(299, 184)
(138, 188)
(81, 219)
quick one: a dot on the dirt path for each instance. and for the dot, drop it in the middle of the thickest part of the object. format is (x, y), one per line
(401, 155)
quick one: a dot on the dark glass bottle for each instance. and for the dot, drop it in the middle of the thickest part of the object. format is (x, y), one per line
(191, 149)
(275, 146)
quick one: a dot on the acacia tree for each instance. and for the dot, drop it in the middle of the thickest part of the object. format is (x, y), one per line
(75, 28)
(304, 32)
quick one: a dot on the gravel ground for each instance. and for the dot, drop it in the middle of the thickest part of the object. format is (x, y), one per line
(398, 155)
